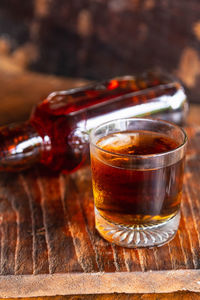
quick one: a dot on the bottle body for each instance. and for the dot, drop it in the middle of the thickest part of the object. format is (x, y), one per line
(64, 118)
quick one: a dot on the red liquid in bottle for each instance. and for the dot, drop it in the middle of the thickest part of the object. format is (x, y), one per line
(57, 133)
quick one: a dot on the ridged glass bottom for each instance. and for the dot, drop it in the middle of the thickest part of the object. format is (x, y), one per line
(137, 236)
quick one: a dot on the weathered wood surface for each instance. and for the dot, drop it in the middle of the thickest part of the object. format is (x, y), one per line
(49, 245)
(19, 95)
(168, 296)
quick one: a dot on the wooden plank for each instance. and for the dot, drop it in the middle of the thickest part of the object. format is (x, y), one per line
(33, 199)
(49, 244)
(168, 296)
(98, 283)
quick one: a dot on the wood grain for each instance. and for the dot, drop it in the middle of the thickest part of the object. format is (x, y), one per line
(27, 194)
(168, 296)
(49, 245)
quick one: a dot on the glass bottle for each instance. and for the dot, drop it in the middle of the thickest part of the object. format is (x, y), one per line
(56, 135)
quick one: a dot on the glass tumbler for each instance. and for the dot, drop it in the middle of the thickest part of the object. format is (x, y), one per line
(137, 176)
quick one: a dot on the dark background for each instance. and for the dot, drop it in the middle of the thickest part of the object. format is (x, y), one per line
(97, 39)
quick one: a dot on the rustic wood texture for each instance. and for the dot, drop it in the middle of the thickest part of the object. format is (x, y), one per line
(47, 235)
(36, 236)
(168, 296)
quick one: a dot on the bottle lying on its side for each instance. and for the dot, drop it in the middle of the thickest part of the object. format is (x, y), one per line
(56, 134)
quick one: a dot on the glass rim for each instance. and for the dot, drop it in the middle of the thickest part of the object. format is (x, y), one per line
(137, 156)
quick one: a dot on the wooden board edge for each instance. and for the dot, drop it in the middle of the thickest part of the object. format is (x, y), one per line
(12, 286)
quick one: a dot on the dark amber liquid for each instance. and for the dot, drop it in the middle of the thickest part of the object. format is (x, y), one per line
(125, 195)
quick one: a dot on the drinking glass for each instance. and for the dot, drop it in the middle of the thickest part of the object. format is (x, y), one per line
(137, 174)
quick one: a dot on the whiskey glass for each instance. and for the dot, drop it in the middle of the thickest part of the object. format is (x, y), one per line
(137, 176)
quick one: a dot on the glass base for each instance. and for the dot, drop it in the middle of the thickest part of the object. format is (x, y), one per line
(137, 236)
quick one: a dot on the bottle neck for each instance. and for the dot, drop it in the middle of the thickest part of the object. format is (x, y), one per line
(20, 146)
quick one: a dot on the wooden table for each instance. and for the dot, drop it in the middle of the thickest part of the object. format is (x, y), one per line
(34, 208)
